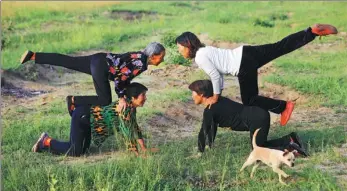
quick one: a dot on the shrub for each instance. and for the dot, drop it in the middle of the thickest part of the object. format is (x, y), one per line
(172, 55)
(263, 23)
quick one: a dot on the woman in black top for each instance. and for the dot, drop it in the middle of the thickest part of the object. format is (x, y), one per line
(120, 68)
(227, 113)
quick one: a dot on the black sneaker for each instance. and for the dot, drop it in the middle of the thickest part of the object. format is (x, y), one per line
(70, 105)
(301, 151)
(26, 56)
(295, 137)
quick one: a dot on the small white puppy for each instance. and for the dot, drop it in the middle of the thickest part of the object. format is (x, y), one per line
(272, 157)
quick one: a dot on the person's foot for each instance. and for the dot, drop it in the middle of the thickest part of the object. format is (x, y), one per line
(39, 145)
(26, 56)
(70, 104)
(323, 29)
(301, 151)
(285, 115)
(296, 139)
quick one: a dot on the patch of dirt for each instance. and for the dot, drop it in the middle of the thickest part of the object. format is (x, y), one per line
(95, 157)
(10, 90)
(173, 71)
(342, 34)
(179, 121)
(130, 15)
(322, 46)
(193, 5)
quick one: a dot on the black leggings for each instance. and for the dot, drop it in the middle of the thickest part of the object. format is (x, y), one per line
(80, 134)
(254, 118)
(94, 65)
(254, 57)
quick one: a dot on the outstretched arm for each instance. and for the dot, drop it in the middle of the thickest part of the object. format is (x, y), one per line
(216, 78)
(208, 131)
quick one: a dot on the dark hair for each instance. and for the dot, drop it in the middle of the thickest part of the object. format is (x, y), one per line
(135, 89)
(203, 87)
(191, 41)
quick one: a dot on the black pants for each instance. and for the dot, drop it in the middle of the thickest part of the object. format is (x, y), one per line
(254, 118)
(254, 57)
(80, 134)
(94, 65)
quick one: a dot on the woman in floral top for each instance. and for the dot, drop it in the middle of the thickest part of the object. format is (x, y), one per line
(120, 68)
(96, 123)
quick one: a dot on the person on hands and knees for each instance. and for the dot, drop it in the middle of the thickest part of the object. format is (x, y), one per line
(95, 123)
(237, 117)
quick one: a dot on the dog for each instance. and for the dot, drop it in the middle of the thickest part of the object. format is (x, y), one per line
(272, 157)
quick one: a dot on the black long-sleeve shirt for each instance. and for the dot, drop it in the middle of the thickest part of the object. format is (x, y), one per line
(224, 113)
(124, 67)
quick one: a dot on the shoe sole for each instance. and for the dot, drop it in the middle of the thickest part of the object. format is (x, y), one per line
(288, 116)
(36, 145)
(24, 55)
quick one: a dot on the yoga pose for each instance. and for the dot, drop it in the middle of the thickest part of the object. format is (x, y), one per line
(227, 113)
(244, 62)
(96, 123)
(120, 68)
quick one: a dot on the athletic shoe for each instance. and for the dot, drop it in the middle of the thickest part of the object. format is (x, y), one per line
(39, 145)
(296, 139)
(26, 56)
(301, 151)
(323, 29)
(285, 115)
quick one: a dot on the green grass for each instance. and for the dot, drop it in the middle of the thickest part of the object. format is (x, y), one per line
(50, 29)
(70, 28)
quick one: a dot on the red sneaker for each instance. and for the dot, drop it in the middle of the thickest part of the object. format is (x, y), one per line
(285, 115)
(39, 145)
(323, 29)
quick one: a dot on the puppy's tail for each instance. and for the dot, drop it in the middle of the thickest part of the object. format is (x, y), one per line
(253, 138)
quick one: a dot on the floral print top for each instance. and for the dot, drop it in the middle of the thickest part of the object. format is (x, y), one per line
(124, 67)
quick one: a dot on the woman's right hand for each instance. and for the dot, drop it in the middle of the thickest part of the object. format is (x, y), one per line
(122, 104)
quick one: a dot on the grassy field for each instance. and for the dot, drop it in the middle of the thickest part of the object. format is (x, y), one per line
(319, 71)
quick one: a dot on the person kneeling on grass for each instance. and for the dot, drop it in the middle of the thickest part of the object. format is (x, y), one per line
(96, 123)
(227, 113)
